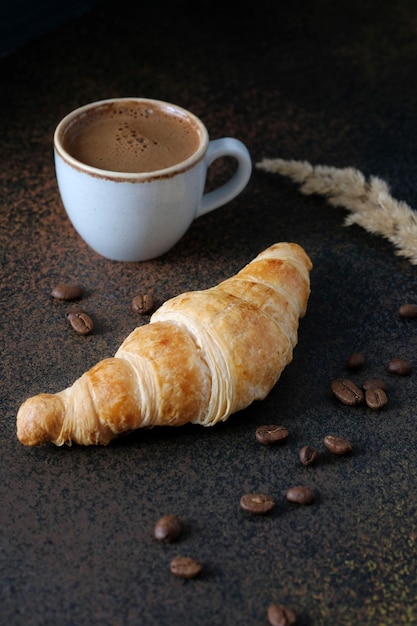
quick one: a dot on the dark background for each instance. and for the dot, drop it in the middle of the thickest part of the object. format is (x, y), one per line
(331, 83)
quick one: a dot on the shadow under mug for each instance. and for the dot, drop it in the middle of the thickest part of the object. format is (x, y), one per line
(138, 216)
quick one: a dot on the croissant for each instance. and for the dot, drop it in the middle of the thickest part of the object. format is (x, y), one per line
(203, 356)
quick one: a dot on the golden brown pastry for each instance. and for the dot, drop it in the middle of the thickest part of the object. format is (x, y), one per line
(203, 356)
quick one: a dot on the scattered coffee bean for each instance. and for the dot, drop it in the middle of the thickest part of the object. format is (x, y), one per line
(185, 567)
(300, 495)
(400, 367)
(355, 361)
(257, 503)
(375, 383)
(80, 321)
(168, 529)
(347, 392)
(271, 434)
(376, 398)
(67, 291)
(142, 304)
(308, 455)
(279, 615)
(408, 310)
(338, 445)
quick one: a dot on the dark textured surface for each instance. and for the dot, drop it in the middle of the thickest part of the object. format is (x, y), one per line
(22, 21)
(328, 82)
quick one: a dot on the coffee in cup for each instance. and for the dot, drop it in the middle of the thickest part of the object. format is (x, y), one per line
(132, 137)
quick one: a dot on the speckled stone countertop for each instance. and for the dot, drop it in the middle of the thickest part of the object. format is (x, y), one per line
(331, 83)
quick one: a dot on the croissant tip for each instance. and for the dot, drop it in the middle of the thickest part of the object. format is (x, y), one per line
(37, 420)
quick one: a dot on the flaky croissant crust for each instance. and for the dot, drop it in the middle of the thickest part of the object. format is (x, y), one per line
(203, 356)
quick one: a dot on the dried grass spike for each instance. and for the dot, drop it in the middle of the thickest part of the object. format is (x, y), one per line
(370, 202)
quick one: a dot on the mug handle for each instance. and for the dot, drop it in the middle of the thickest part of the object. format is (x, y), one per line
(226, 146)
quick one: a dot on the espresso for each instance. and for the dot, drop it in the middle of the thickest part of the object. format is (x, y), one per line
(131, 137)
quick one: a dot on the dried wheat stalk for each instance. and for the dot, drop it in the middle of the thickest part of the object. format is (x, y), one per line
(370, 202)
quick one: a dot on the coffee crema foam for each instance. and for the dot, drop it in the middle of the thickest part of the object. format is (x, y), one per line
(133, 137)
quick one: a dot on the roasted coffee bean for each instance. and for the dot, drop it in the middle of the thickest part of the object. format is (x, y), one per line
(257, 503)
(400, 367)
(376, 398)
(408, 310)
(308, 455)
(347, 392)
(338, 445)
(271, 434)
(280, 615)
(142, 304)
(185, 567)
(355, 361)
(80, 321)
(375, 383)
(168, 529)
(300, 495)
(67, 291)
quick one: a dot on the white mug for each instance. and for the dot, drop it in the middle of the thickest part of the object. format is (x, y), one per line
(139, 215)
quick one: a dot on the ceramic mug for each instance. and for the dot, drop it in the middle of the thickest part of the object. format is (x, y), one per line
(131, 173)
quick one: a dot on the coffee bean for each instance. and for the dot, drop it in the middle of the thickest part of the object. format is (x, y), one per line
(338, 445)
(400, 367)
(300, 495)
(347, 392)
(80, 321)
(308, 455)
(355, 361)
(280, 615)
(67, 291)
(142, 304)
(271, 434)
(375, 383)
(408, 310)
(257, 503)
(376, 398)
(168, 529)
(185, 567)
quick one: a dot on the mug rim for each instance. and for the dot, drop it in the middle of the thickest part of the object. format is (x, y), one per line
(113, 175)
